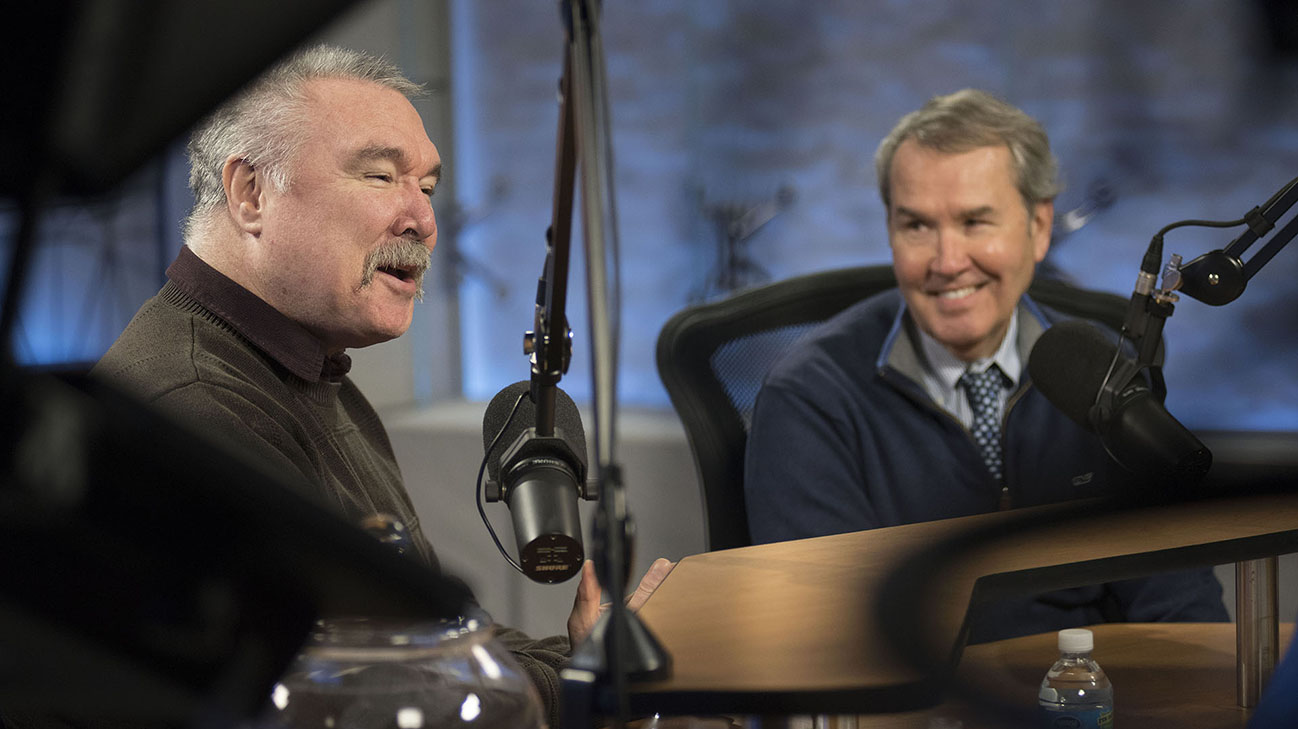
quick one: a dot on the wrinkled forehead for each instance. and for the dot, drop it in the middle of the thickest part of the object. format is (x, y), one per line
(1000, 168)
(923, 170)
(362, 118)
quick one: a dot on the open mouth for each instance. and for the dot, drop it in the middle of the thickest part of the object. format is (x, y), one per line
(397, 272)
(959, 293)
(403, 262)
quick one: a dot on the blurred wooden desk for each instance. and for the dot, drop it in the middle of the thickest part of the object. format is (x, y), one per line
(794, 628)
(1165, 676)
(1174, 675)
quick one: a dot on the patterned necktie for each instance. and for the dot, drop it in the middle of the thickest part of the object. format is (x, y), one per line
(984, 391)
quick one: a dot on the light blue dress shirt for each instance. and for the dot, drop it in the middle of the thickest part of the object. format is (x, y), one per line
(942, 372)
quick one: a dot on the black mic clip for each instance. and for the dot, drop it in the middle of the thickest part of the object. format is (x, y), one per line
(1136, 430)
(1128, 410)
(1147, 313)
(548, 345)
(530, 449)
(1122, 381)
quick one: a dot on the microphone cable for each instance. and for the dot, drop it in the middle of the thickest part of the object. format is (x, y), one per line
(486, 456)
(1154, 254)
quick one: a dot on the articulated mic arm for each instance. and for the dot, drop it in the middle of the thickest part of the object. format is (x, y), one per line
(1219, 277)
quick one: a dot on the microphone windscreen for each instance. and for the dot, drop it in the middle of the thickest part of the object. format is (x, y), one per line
(498, 412)
(1068, 364)
(567, 421)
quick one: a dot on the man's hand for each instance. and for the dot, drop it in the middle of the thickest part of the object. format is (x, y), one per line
(586, 607)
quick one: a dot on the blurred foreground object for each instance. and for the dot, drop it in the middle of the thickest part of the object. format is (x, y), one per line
(149, 575)
(365, 674)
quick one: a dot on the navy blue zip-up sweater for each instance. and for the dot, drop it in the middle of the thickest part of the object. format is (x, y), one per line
(845, 438)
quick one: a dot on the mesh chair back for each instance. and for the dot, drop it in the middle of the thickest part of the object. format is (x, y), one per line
(713, 357)
(740, 365)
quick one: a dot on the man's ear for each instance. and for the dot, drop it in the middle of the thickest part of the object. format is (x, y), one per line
(244, 197)
(1040, 228)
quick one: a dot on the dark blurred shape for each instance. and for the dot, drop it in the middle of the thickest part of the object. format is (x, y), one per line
(93, 88)
(152, 576)
(1279, 23)
(1248, 461)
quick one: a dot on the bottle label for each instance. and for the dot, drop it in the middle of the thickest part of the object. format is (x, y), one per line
(1079, 719)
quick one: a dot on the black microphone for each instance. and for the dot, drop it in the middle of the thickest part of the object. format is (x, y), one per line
(1068, 364)
(539, 479)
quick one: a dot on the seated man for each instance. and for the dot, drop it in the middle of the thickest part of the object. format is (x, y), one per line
(915, 404)
(311, 232)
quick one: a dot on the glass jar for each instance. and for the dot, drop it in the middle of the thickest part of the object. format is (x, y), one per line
(358, 673)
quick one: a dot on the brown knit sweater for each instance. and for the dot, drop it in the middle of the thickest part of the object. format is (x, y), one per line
(250, 376)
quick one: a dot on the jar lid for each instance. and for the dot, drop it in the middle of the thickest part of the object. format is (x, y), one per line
(362, 639)
(1076, 640)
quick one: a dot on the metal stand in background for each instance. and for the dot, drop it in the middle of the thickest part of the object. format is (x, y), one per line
(1218, 278)
(1257, 636)
(620, 646)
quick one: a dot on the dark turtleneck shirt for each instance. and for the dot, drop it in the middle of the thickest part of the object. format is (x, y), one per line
(212, 354)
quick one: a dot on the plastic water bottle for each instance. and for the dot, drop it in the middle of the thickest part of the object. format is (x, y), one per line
(1075, 694)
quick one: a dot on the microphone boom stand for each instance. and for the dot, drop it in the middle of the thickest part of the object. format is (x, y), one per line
(1218, 278)
(1215, 278)
(620, 646)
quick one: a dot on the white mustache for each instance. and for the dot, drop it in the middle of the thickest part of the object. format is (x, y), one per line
(400, 253)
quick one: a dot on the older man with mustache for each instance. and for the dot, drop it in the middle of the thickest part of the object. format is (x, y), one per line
(310, 234)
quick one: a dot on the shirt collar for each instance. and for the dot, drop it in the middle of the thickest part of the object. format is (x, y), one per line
(947, 369)
(283, 339)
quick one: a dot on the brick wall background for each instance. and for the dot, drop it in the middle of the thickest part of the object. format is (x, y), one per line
(1168, 110)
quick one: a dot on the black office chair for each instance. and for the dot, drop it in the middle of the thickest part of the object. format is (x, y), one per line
(713, 357)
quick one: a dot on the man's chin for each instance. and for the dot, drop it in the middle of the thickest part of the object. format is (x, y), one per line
(384, 330)
(966, 343)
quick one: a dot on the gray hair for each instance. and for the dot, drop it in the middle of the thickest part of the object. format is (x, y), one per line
(263, 123)
(970, 119)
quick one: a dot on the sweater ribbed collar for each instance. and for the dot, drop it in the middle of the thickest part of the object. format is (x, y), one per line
(283, 339)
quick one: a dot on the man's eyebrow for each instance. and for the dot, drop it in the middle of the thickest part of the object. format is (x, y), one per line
(379, 152)
(903, 210)
(375, 153)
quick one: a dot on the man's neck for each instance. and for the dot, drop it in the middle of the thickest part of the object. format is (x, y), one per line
(947, 363)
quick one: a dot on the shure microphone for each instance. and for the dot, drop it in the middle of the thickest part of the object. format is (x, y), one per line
(1069, 363)
(539, 479)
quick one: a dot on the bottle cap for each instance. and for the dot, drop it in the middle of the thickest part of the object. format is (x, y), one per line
(1076, 640)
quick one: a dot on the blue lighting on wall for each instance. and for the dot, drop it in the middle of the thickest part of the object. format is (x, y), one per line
(735, 106)
(772, 110)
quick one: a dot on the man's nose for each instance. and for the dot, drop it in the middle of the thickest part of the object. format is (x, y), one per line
(416, 219)
(952, 254)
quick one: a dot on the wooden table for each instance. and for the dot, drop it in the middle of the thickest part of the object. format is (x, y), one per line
(811, 626)
(1165, 676)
